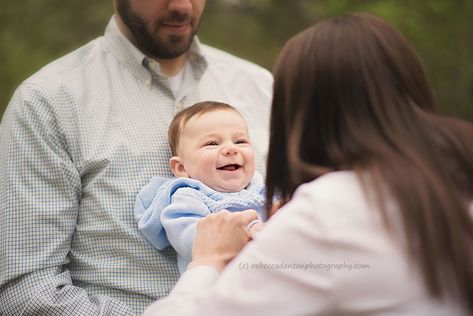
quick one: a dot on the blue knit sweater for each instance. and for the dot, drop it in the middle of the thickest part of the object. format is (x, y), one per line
(167, 210)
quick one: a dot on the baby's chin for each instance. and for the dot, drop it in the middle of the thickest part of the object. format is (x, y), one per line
(230, 187)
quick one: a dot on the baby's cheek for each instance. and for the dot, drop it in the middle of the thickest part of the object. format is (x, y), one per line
(208, 162)
(205, 169)
(250, 160)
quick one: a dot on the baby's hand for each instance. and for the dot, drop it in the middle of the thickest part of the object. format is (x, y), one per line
(254, 228)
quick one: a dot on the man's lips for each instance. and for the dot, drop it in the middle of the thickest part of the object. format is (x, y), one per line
(177, 26)
(231, 167)
(177, 22)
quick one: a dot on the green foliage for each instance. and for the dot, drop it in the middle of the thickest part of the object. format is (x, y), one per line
(34, 32)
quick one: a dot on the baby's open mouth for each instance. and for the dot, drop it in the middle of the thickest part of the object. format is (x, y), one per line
(231, 167)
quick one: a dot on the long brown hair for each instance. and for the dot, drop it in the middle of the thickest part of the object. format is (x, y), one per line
(351, 94)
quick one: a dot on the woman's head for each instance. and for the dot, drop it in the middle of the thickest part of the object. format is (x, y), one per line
(344, 89)
(350, 93)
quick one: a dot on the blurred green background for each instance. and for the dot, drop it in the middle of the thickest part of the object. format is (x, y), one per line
(34, 32)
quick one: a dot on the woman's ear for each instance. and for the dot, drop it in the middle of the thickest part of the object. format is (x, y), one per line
(177, 167)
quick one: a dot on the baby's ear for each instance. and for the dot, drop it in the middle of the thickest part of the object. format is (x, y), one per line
(178, 167)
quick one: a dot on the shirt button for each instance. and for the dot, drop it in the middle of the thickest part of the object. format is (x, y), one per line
(148, 81)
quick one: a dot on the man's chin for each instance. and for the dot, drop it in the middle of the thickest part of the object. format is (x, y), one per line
(173, 48)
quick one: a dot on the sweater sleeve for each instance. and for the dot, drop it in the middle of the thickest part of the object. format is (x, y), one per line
(179, 220)
(150, 202)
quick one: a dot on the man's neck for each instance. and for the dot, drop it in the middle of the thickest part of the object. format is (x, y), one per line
(171, 67)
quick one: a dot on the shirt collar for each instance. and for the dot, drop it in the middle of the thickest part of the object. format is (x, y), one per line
(138, 63)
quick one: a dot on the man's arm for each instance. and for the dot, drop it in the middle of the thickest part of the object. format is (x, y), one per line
(40, 191)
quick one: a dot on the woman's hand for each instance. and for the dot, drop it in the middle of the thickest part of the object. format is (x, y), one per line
(220, 237)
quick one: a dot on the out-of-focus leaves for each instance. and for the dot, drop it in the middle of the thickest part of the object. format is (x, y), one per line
(34, 32)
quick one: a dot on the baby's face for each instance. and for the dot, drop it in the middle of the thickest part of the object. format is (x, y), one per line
(215, 149)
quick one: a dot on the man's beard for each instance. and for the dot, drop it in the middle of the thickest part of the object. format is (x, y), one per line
(161, 48)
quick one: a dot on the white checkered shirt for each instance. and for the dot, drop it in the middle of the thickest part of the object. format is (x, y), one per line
(77, 142)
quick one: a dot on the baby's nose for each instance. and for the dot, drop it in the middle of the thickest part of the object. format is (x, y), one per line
(230, 150)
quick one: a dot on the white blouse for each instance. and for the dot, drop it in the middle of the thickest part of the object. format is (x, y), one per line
(327, 252)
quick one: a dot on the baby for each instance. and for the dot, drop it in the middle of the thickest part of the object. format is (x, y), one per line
(214, 165)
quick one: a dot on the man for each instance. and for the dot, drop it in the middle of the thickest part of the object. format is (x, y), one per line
(83, 135)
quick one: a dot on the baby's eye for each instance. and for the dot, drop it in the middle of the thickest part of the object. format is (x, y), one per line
(241, 141)
(211, 143)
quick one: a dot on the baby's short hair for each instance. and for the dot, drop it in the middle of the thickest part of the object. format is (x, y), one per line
(183, 116)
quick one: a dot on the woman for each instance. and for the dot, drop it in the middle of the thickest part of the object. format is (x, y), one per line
(376, 190)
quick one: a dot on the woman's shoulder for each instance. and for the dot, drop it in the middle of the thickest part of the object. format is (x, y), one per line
(337, 184)
(337, 199)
